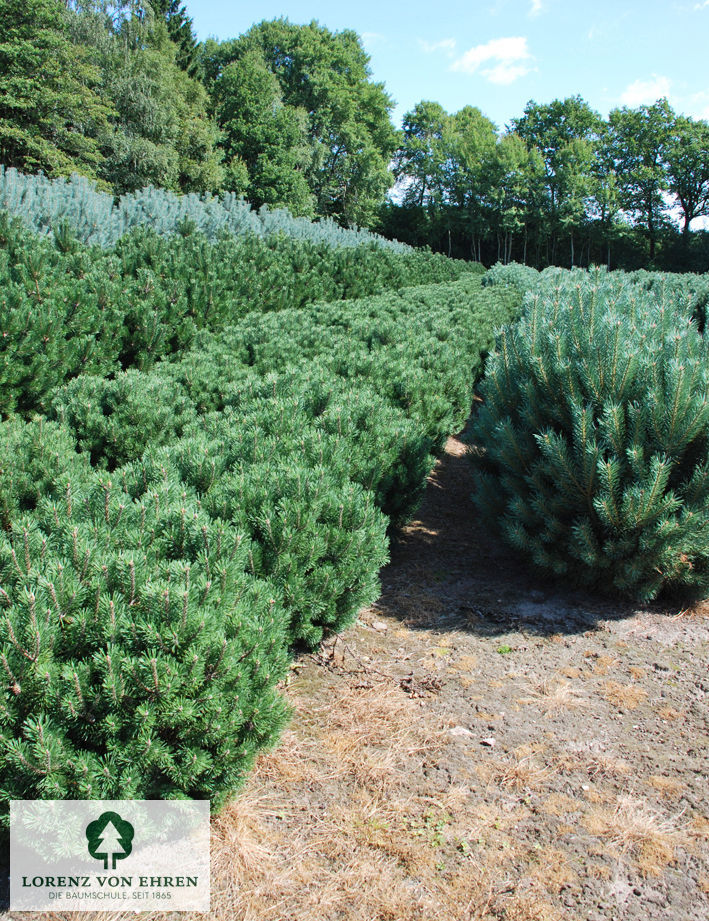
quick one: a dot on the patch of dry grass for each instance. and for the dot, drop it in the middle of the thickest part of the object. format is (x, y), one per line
(520, 772)
(670, 714)
(667, 786)
(627, 697)
(603, 664)
(559, 804)
(555, 696)
(635, 829)
(606, 764)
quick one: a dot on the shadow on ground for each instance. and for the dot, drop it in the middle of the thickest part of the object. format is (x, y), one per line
(447, 571)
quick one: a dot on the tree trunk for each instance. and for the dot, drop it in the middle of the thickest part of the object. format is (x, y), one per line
(651, 229)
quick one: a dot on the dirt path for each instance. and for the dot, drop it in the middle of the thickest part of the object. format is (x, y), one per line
(481, 745)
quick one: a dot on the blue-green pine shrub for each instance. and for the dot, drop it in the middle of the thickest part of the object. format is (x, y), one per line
(593, 439)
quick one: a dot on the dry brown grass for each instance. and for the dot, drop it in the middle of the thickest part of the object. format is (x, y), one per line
(553, 870)
(667, 786)
(370, 731)
(603, 664)
(466, 663)
(606, 764)
(635, 829)
(559, 804)
(627, 697)
(520, 772)
(669, 713)
(554, 696)
(599, 871)
(699, 827)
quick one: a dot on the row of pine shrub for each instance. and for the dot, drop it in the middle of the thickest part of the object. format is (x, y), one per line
(592, 444)
(67, 308)
(171, 535)
(47, 206)
(687, 292)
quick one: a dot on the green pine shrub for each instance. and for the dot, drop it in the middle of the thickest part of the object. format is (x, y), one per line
(522, 278)
(115, 420)
(38, 460)
(140, 656)
(67, 309)
(689, 291)
(55, 321)
(334, 425)
(594, 441)
(317, 535)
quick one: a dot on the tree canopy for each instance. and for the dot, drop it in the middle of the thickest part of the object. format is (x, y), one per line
(52, 112)
(325, 76)
(289, 115)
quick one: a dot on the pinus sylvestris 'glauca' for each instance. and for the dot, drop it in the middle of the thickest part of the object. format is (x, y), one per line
(593, 440)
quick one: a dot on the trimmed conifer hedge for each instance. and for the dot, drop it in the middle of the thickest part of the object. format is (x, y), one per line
(67, 309)
(175, 532)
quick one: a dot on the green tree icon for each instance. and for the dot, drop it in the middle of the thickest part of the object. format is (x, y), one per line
(110, 838)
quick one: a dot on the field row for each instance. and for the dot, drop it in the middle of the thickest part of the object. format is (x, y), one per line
(225, 508)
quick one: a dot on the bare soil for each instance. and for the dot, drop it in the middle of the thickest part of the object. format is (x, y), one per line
(480, 745)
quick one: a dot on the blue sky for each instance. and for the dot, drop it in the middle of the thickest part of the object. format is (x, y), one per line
(498, 54)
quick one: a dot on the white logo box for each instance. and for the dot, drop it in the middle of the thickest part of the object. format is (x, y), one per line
(109, 855)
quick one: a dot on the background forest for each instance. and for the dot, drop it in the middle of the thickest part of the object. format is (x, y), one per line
(289, 115)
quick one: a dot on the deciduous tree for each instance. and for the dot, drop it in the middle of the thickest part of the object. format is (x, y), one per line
(640, 140)
(327, 75)
(687, 156)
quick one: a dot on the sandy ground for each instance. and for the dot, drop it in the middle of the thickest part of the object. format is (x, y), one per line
(480, 745)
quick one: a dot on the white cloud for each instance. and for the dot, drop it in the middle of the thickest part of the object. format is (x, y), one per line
(446, 44)
(373, 38)
(536, 8)
(645, 92)
(701, 6)
(506, 59)
(696, 105)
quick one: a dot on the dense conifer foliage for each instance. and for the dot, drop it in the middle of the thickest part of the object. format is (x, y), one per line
(212, 490)
(68, 309)
(593, 436)
(95, 217)
(140, 655)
